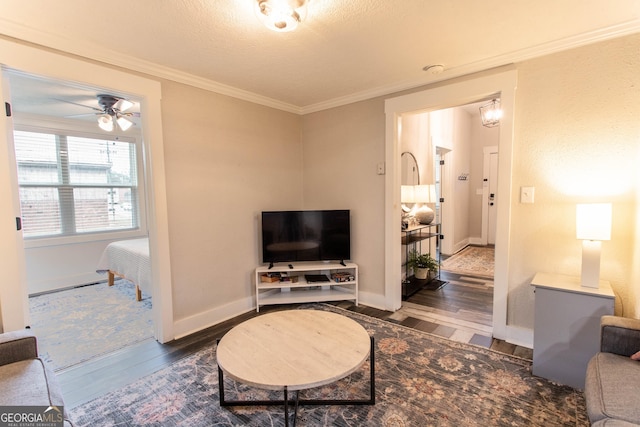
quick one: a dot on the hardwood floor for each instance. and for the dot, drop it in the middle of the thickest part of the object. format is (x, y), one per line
(461, 311)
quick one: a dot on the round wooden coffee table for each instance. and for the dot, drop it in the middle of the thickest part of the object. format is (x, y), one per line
(292, 350)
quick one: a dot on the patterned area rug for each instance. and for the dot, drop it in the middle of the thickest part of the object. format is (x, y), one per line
(472, 260)
(421, 380)
(78, 324)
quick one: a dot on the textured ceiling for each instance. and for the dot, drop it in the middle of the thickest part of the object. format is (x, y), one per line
(345, 50)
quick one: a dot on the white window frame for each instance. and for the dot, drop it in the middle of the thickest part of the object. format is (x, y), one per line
(56, 126)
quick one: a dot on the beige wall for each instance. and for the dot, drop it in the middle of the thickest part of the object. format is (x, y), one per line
(577, 129)
(577, 133)
(342, 147)
(226, 161)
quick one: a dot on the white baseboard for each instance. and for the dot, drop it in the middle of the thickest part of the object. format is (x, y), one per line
(458, 246)
(520, 336)
(59, 283)
(372, 300)
(205, 319)
(475, 241)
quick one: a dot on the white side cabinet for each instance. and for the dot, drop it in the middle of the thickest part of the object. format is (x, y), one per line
(295, 288)
(567, 326)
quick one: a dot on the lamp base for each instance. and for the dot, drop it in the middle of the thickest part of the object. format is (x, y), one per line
(590, 277)
(424, 214)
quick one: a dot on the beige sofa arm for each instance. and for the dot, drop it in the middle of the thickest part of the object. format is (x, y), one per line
(16, 346)
(619, 335)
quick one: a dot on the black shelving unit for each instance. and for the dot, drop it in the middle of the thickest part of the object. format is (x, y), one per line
(412, 238)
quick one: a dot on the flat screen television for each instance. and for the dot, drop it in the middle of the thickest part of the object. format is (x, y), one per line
(314, 235)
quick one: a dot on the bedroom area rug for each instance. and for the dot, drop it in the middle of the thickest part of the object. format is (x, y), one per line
(79, 324)
(421, 380)
(472, 260)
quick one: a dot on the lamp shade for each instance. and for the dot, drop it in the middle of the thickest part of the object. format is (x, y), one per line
(407, 194)
(593, 221)
(425, 193)
(105, 121)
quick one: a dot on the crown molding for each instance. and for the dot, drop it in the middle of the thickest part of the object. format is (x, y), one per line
(108, 56)
(97, 53)
(607, 33)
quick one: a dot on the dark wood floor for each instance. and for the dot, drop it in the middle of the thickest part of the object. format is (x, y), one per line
(461, 307)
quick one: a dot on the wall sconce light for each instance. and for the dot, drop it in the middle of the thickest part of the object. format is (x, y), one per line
(593, 224)
(281, 15)
(491, 113)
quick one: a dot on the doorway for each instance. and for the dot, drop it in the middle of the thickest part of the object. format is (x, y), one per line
(502, 83)
(81, 187)
(31, 60)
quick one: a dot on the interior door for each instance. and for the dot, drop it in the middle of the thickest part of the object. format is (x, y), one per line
(493, 198)
(14, 312)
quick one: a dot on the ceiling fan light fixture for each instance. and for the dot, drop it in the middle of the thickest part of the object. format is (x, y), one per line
(124, 123)
(105, 121)
(281, 15)
(123, 104)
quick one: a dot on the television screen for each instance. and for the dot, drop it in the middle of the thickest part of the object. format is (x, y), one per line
(289, 236)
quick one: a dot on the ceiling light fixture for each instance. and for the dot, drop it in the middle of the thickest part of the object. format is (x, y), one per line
(281, 15)
(491, 113)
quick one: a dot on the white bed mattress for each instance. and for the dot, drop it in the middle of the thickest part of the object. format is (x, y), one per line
(129, 259)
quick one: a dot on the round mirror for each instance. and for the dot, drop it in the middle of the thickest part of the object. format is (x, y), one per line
(409, 169)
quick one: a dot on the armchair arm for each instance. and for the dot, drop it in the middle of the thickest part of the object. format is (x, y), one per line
(16, 346)
(619, 335)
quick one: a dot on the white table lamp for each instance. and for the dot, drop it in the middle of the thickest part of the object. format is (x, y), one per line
(593, 224)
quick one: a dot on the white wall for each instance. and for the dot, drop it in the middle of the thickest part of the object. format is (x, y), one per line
(461, 164)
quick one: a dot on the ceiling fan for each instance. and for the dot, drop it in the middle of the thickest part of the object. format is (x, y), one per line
(113, 111)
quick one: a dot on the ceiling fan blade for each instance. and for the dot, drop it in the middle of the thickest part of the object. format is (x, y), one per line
(81, 115)
(78, 104)
(129, 114)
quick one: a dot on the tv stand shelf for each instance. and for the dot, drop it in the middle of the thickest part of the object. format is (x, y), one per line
(301, 291)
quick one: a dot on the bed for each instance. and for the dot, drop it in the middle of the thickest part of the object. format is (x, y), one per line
(128, 259)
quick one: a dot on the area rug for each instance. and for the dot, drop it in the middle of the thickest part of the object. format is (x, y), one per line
(472, 260)
(421, 380)
(82, 323)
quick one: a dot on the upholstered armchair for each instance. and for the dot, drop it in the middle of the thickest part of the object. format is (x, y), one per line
(612, 383)
(25, 379)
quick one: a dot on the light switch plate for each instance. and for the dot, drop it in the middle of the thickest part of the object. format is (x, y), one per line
(527, 194)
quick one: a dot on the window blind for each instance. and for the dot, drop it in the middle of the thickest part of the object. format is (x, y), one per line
(74, 185)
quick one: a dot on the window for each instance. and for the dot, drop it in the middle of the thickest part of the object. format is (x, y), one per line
(72, 185)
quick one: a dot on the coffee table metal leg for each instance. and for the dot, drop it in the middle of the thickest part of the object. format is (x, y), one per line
(286, 407)
(298, 401)
(295, 412)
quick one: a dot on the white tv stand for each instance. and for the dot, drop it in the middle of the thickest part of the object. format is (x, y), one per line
(268, 293)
